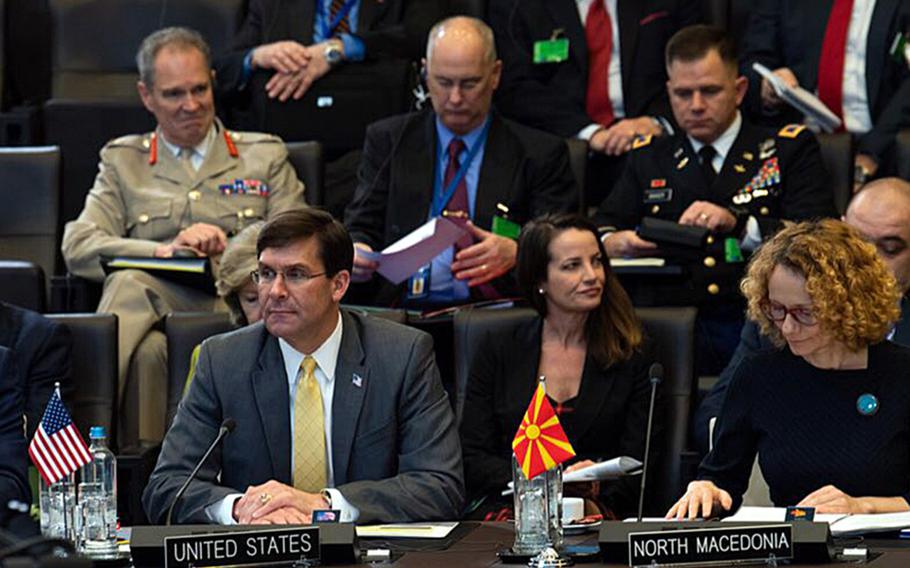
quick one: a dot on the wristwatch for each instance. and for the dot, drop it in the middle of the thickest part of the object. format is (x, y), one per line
(860, 175)
(333, 54)
(327, 496)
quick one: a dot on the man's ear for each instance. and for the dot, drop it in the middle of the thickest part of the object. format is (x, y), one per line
(340, 284)
(145, 94)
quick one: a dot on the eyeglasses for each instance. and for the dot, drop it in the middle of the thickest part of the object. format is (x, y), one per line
(292, 276)
(778, 312)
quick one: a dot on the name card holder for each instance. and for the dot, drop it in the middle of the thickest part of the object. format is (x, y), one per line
(275, 547)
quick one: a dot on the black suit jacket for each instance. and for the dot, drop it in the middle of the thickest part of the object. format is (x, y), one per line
(524, 169)
(790, 33)
(42, 352)
(751, 341)
(388, 28)
(663, 177)
(551, 96)
(610, 419)
(13, 463)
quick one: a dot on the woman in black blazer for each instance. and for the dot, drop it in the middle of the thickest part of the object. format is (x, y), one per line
(587, 342)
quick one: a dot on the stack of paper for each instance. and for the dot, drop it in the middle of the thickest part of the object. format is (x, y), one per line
(802, 100)
(842, 524)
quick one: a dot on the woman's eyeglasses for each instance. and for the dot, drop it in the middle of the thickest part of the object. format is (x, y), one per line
(777, 313)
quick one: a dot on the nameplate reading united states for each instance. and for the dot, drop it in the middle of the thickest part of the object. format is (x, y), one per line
(721, 545)
(240, 548)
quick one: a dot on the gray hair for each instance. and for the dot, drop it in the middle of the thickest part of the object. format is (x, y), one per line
(181, 38)
(479, 27)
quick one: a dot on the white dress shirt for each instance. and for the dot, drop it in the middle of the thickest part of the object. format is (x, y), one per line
(326, 357)
(857, 117)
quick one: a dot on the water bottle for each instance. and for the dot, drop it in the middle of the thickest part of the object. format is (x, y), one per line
(58, 509)
(98, 498)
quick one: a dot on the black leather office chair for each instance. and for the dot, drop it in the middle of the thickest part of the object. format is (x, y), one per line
(671, 330)
(902, 153)
(837, 156)
(476, 8)
(578, 160)
(22, 284)
(184, 331)
(93, 401)
(30, 194)
(307, 159)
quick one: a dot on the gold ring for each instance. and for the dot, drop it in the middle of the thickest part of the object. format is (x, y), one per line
(264, 498)
(703, 216)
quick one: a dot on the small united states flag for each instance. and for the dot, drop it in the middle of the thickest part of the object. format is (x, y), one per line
(57, 448)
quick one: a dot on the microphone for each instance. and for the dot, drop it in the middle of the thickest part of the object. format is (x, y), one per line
(226, 428)
(655, 375)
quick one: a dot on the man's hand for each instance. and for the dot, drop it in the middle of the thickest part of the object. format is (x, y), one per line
(204, 239)
(627, 244)
(617, 139)
(283, 86)
(283, 516)
(261, 501)
(713, 217)
(485, 260)
(282, 56)
(701, 499)
(363, 267)
(867, 163)
(769, 98)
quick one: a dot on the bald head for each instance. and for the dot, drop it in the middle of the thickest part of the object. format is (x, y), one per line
(462, 72)
(466, 31)
(881, 212)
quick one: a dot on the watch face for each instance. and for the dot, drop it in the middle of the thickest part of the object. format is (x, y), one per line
(332, 55)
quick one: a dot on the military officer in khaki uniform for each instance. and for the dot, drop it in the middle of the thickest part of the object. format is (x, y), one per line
(719, 172)
(186, 189)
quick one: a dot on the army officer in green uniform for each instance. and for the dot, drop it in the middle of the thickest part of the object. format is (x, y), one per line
(719, 172)
(184, 189)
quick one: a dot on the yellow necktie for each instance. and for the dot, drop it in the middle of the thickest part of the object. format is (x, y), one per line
(309, 431)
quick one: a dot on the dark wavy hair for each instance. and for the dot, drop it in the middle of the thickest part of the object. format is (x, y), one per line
(613, 331)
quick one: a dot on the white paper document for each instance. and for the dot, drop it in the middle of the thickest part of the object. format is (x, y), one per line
(405, 256)
(802, 100)
(407, 530)
(600, 471)
(841, 524)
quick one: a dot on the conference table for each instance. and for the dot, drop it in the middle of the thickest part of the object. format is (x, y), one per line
(475, 544)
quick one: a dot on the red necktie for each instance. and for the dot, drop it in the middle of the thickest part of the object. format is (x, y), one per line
(831, 62)
(599, 35)
(458, 203)
(343, 26)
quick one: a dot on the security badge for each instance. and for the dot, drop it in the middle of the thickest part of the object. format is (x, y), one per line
(245, 187)
(419, 283)
(767, 149)
(760, 185)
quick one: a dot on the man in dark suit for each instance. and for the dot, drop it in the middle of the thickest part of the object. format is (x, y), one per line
(42, 352)
(554, 94)
(13, 463)
(410, 173)
(606, 87)
(847, 52)
(719, 173)
(334, 410)
(303, 40)
(881, 213)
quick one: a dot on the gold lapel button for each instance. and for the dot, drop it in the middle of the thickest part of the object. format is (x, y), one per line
(764, 211)
(194, 195)
(710, 262)
(655, 210)
(713, 289)
(710, 240)
(143, 218)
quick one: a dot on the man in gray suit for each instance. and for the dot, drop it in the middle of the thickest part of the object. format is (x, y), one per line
(334, 410)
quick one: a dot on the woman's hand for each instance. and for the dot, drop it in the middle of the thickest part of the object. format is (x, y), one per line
(830, 499)
(700, 500)
(587, 490)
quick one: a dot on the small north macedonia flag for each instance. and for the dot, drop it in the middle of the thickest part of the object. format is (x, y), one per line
(540, 443)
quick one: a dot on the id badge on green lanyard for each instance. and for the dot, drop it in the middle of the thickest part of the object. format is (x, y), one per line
(553, 50)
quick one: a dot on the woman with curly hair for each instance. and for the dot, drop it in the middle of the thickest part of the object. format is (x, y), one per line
(829, 416)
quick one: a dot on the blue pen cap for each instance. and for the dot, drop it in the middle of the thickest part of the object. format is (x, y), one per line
(97, 432)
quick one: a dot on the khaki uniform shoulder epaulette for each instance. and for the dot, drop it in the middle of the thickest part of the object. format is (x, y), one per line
(242, 137)
(642, 141)
(791, 130)
(137, 141)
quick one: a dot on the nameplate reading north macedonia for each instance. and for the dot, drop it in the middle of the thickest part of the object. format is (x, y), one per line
(716, 545)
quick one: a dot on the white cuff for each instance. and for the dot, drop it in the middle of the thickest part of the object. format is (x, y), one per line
(222, 512)
(588, 131)
(349, 513)
(752, 238)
